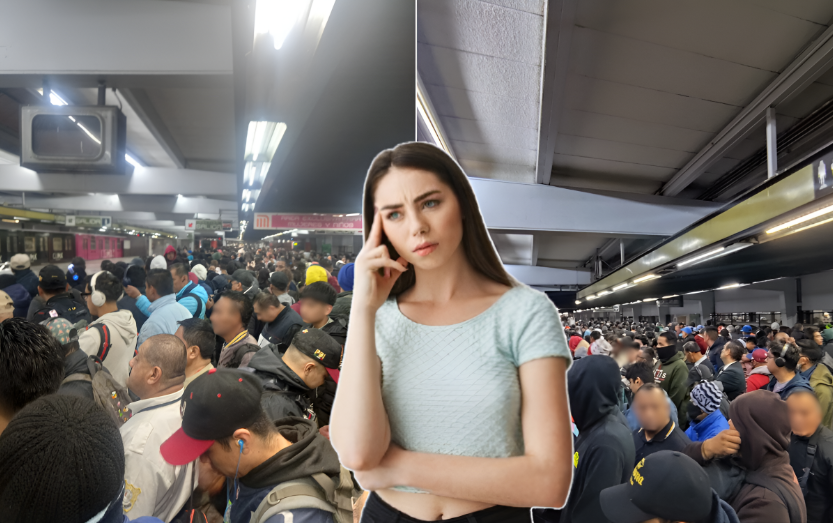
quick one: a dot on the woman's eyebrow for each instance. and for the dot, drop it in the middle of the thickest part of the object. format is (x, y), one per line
(417, 199)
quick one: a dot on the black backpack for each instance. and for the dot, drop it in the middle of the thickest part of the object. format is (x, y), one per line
(63, 306)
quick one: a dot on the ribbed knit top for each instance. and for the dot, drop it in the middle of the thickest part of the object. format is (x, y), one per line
(455, 389)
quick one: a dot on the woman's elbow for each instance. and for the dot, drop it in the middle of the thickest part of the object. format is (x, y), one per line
(356, 458)
(555, 485)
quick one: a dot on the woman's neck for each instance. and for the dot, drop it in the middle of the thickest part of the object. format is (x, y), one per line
(440, 285)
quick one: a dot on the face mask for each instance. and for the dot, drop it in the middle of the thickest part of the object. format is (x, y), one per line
(693, 411)
(666, 352)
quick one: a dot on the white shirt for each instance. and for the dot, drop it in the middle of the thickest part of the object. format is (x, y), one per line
(152, 486)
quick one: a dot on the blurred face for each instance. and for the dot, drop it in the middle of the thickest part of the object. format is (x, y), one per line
(171, 255)
(266, 314)
(805, 414)
(644, 357)
(89, 299)
(662, 342)
(280, 266)
(140, 373)
(817, 337)
(179, 281)
(651, 409)
(634, 385)
(420, 216)
(236, 286)
(770, 363)
(782, 337)
(750, 345)
(225, 318)
(313, 311)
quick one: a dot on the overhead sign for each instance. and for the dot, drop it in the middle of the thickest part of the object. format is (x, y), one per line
(227, 226)
(190, 225)
(322, 222)
(210, 225)
(676, 301)
(88, 221)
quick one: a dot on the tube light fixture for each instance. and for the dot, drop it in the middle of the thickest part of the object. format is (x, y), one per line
(262, 140)
(730, 286)
(603, 293)
(813, 225)
(700, 257)
(578, 302)
(672, 296)
(590, 298)
(622, 286)
(802, 219)
(649, 299)
(646, 278)
(354, 214)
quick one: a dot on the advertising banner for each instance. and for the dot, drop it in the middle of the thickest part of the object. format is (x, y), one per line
(318, 222)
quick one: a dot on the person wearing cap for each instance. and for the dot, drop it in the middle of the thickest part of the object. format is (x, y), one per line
(811, 455)
(56, 298)
(706, 420)
(289, 379)
(76, 274)
(42, 478)
(20, 297)
(160, 301)
(20, 266)
(7, 309)
(224, 425)
(244, 281)
(345, 297)
(327, 264)
(154, 487)
(31, 366)
(230, 318)
(279, 285)
(657, 431)
(190, 295)
(664, 487)
(317, 301)
(75, 360)
(759, 376)
(171, 256)
(731, 374)
(715, 343)
(817, 374)
(700, 340)
(279, 322)
(198, 336)
(699, 367)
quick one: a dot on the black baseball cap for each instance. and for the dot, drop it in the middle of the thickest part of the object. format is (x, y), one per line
(321, 347)
(279, 280)
(243, 276)
(52, 278)
(213, 406)
(666, 485)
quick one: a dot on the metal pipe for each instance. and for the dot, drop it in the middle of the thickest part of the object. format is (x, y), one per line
(771, 143)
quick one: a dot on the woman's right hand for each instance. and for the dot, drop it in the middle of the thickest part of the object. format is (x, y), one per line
(371, 289)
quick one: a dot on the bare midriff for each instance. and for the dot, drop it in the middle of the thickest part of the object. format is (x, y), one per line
(429, 507)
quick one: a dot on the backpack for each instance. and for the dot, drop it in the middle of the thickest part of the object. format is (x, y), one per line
(63, 306)
(108, 394)
(188, 293)
(240, 352)
(334, 495)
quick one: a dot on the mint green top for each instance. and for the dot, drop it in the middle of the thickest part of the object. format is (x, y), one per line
(454, 389)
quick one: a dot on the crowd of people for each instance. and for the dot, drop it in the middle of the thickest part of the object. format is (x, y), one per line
(95, 423)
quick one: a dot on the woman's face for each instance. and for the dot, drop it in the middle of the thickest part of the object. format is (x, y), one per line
(420, 216)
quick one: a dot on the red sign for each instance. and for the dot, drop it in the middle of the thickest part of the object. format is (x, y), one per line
(318, 222)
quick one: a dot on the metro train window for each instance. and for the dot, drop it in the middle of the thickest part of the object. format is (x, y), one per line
(57, 244)
(73, 136)
(42, 243)
(29, 244)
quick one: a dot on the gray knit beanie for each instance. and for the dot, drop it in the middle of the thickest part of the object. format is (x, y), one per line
(61, 459)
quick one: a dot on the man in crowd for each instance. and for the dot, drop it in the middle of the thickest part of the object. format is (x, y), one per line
(666, 486)
(281, 323)
(705, 419)
(224, 426)
(782, 362)
(759, 376)
(638, 374)
(153, 487)
(6, 306)
(20, 297)
(112, 337)
(198, 337)
(55, 299)
(604, 451)
(37, 482)
(278, 286)
(715, 344)
(128, 303)
(672, 374)
(289, 379)
(230, 317)
(327, 264)
(244, 282)
(345, 298)
(76, 273)
(317, 301)
(811, 455)
(188, 294)
(818, 376)
(699, 367)
(31, 366)
(657, 431)
(731, 375)
(20, 266)
(160, 304)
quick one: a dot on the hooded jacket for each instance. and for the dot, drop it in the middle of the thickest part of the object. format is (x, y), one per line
(76, 363)
(722, 512)
(310, 453)
(818, 499)
(28, 280)
(284, 392)
(122, 342)
(708, 427)
(822, 383)
(714, 353)
(163, 315)
(600, 347)
(672, 376)
(797, 383)
(604, 451)
(763, 422)
(758, 378)
(21, 299)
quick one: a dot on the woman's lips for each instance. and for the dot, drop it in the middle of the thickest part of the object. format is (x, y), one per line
(424, 249)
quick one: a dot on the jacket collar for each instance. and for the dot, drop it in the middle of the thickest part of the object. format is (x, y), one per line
(662, 434)
(161, 302)
(138, 406)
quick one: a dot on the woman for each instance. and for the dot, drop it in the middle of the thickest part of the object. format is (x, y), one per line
(442, 432)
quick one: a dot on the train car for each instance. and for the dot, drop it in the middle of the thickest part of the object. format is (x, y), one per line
(42, 247)
(99, 247)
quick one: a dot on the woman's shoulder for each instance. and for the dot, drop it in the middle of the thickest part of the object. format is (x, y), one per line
(523, 299)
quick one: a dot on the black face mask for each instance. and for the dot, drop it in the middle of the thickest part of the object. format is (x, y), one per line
(693, 411)
(666, 352)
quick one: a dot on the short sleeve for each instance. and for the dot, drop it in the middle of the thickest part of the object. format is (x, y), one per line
(538, 330)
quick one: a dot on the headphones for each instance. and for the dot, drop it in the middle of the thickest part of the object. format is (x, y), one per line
(98, 298)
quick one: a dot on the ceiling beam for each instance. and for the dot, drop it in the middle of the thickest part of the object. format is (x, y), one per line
(139, 101)
(803, 71)
(556, 57)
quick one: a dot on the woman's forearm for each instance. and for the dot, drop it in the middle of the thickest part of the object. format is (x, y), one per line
(359, 428)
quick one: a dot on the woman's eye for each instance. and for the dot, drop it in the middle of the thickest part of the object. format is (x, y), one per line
(431, 203)
(394, 215)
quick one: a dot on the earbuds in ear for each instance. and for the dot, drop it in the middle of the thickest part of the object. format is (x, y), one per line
(242, 444)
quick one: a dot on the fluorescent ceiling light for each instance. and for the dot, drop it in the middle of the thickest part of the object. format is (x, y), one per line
(603, 293)
(56, 100)
(353, 214)
(278, 17)
(262, 140)
(622, 286)
(578, 302)
(646, 278)
(730, 286)
(672, 296)
(589, 298)
(802, 219)
(700, 257)
(813, 225)
(649, 299)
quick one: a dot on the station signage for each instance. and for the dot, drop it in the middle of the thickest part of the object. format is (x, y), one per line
(318, 222)
(207, 225)
(676, 301)
(88, 221)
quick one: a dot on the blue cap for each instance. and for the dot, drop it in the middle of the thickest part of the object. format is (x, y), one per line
(699, 327)
(345, 276)
(688, 330)
(746, 328)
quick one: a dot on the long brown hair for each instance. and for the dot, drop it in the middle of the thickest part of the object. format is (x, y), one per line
(477, 245)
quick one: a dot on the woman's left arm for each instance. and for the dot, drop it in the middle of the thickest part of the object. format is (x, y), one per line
(539, 478)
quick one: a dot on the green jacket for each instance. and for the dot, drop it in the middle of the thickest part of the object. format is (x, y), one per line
(822, 382)
(672, 376)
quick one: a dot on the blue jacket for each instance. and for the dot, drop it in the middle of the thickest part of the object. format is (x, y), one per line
(163, 315)
(799, 382)
(633, 423)
(708, 427)
(21, 299)
(29, 280)
(249, 499)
